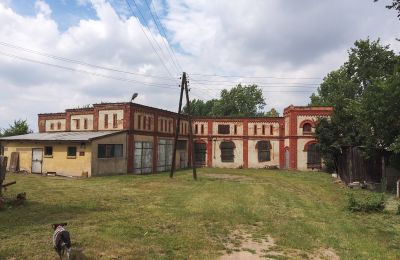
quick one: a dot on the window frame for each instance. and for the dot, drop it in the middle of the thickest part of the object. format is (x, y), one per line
(108, 151)
(45, 152)
(224, 129)
(69, 154)
(264, 151)
(227, 152)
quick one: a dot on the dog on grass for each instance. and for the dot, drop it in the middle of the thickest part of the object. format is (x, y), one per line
(61, 241)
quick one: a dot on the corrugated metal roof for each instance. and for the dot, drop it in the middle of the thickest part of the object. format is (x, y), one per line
(61, 136)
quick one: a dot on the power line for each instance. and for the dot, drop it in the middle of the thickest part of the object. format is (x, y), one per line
(165, 40)
(83, 71)
(141, 27)
(80, 62)
(214, 82)
(255, 77)
(165, 35)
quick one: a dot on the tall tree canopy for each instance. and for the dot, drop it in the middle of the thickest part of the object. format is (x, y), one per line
(365, 94)
(240, 100)
(19, 127)
(272, 113)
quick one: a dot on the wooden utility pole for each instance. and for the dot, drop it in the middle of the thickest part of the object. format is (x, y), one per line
(184, 86)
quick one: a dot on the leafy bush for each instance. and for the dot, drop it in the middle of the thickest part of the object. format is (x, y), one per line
(398, 210)
(371, 202)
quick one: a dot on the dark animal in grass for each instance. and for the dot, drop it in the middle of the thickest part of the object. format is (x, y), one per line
(21, 197)
(61, 241)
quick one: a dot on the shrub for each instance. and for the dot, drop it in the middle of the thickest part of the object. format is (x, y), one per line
(398, 210)
(371, 202)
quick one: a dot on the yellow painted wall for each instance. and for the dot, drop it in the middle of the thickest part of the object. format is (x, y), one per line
(58, 163)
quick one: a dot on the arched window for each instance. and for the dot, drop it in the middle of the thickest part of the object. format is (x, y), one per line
(307, 128)
(227, 148)
(313, 156)
(264, 151)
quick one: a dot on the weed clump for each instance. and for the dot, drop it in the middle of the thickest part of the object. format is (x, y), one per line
(371, 202)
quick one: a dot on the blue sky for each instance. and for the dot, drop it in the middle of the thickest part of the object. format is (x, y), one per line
(274, 39)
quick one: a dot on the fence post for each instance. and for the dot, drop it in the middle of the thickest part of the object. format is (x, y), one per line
(3, 166)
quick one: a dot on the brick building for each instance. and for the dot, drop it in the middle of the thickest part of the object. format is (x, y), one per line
(140, 140)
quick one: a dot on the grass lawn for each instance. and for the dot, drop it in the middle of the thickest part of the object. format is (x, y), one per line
(155, 217)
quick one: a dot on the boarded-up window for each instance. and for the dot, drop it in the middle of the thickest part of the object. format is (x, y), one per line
(115, 120)
(264, 154)
(164, 155)
(227, 151)
(110, 151)
(143, 162)
(105, 121)
(313, 156)
(200, 151)
(181, 145)
(307, 128)
(223, 129)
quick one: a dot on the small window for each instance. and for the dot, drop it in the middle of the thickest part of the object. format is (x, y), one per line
(149, 124)
(181, 145)
(165, 125)
(255, 129)
(271, 130)
(110, 151)
(85, 123)
(264, 154)
(227, 149)
(196, 128)
(307, 128)
(139, 122)
(52, 126)
(115, 122)
(162, 125)
(59, 125)
(202, 129)
(48, 151)
(223, 129)
(263, 129)
(105, 121)
(77, 123)
(170, 127)
(235, 129)
(71, 152)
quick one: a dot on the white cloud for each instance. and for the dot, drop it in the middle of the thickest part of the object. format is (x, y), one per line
(273, 38)
(43, 8)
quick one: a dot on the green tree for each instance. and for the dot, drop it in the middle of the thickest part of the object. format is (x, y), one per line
(272, 113)
(364, 94)
(394, 5)
(241, 100)
(19, 127)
